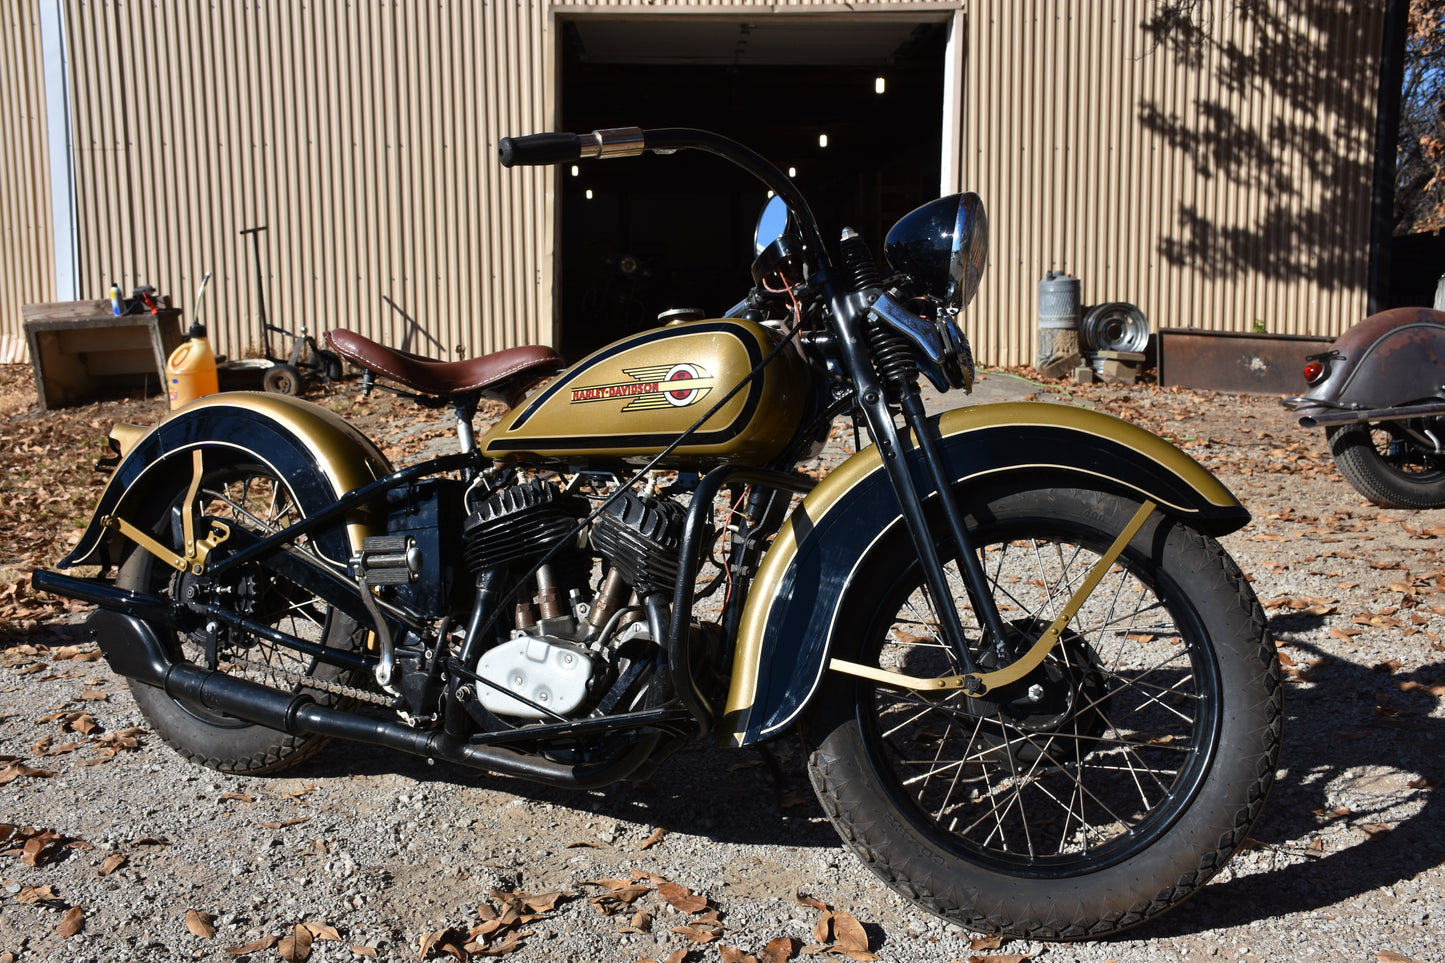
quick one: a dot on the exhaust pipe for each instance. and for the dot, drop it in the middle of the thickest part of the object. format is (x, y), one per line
(1354, 416)
(131, 647)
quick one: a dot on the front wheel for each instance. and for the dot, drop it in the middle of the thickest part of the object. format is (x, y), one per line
(1097, 791)
(1388, 466)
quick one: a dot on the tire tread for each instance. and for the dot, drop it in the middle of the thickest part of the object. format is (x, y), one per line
(860, 831)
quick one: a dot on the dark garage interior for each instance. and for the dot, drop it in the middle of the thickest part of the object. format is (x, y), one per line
(662, 232)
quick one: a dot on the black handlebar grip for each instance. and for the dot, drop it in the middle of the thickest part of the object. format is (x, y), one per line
(532, 149)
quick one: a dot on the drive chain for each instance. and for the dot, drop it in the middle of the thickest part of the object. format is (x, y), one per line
(311, 682)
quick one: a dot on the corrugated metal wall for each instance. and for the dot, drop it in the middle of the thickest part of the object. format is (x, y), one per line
(1218, 186)
(363, 136)
(27, 266)
(1223, 185)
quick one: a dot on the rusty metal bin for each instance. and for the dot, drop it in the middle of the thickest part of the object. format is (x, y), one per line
(1234, 361)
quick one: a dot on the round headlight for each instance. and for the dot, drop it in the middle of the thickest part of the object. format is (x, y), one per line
(944, 246)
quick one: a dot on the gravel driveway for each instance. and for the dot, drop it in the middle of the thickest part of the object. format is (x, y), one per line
(113, 848)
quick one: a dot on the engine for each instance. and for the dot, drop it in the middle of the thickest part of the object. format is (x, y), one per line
(569, 643)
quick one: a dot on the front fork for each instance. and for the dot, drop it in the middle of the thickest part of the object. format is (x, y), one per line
(894, 447)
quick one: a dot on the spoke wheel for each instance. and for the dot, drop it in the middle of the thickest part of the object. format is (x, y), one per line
(1099, 789)
(1388, 466)
(243, 497)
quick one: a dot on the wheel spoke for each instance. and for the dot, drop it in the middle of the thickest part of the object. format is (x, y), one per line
(1077, 756)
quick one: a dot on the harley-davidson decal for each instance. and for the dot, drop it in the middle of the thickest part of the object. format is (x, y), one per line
(655, 386)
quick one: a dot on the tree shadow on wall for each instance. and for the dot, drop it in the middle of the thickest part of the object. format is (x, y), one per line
(1310, 159)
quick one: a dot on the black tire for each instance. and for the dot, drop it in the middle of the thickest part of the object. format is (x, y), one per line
(1387, 467)
(248, 496)
(330, 364)
(1097, 792)
(282, 379)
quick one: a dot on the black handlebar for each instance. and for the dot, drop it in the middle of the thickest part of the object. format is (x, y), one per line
(535, 149)
(559, 148)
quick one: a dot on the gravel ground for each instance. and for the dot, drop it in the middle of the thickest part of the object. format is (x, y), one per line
(364, 854)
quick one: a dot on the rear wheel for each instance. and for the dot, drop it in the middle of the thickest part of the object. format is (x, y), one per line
(1097, 791)
(1388, 466)
(247, 496)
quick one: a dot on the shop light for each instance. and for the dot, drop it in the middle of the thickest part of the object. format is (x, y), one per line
(575, 170)
(792, 172)
(879, 85)
(589, 193)
(822, 140)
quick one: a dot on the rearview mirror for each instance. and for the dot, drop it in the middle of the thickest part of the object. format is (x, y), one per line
(772, 224)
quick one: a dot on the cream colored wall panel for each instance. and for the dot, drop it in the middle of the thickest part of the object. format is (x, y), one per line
(1220, 193)
(362, 136)
(27, 260)
(1215, 193)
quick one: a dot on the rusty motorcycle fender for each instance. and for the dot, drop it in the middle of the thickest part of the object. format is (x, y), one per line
(1390, 359)
(822, 552)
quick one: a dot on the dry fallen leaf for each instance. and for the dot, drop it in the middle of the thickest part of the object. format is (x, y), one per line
(72, 923)
(297, 946)
(77, 653)
(255, 946)
(40, 847)
(849, 933)
(112, 863)
(200, 924)
(36, 894)
(620, 893)
(322, 931)
(17, 769)
(703, 930)
(641, 923)
(448, 941)
(781, 950)
(682, 898)
(731, 954)
(652, 840)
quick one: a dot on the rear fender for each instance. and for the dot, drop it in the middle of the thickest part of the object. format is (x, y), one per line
(1396, 357)
(319, 454)
(823, 549)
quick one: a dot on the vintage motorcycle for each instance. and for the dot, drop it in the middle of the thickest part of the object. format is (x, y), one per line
(1379, 393)
(1037, 696)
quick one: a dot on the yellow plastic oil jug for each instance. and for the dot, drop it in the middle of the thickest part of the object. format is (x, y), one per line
(191, 370)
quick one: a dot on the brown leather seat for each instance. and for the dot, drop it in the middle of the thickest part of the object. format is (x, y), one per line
(505, 372)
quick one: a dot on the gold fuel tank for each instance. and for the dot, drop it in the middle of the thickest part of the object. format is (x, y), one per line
(631, 399)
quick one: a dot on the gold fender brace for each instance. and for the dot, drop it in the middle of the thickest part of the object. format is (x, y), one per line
(979, 683)
(196, 548)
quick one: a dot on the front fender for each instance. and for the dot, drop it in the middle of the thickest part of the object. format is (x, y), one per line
(319, 454)
(791, 612)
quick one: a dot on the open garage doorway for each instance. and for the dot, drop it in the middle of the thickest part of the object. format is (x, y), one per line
(853, 107)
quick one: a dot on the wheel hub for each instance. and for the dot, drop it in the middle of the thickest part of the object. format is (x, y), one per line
(1067, 686)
